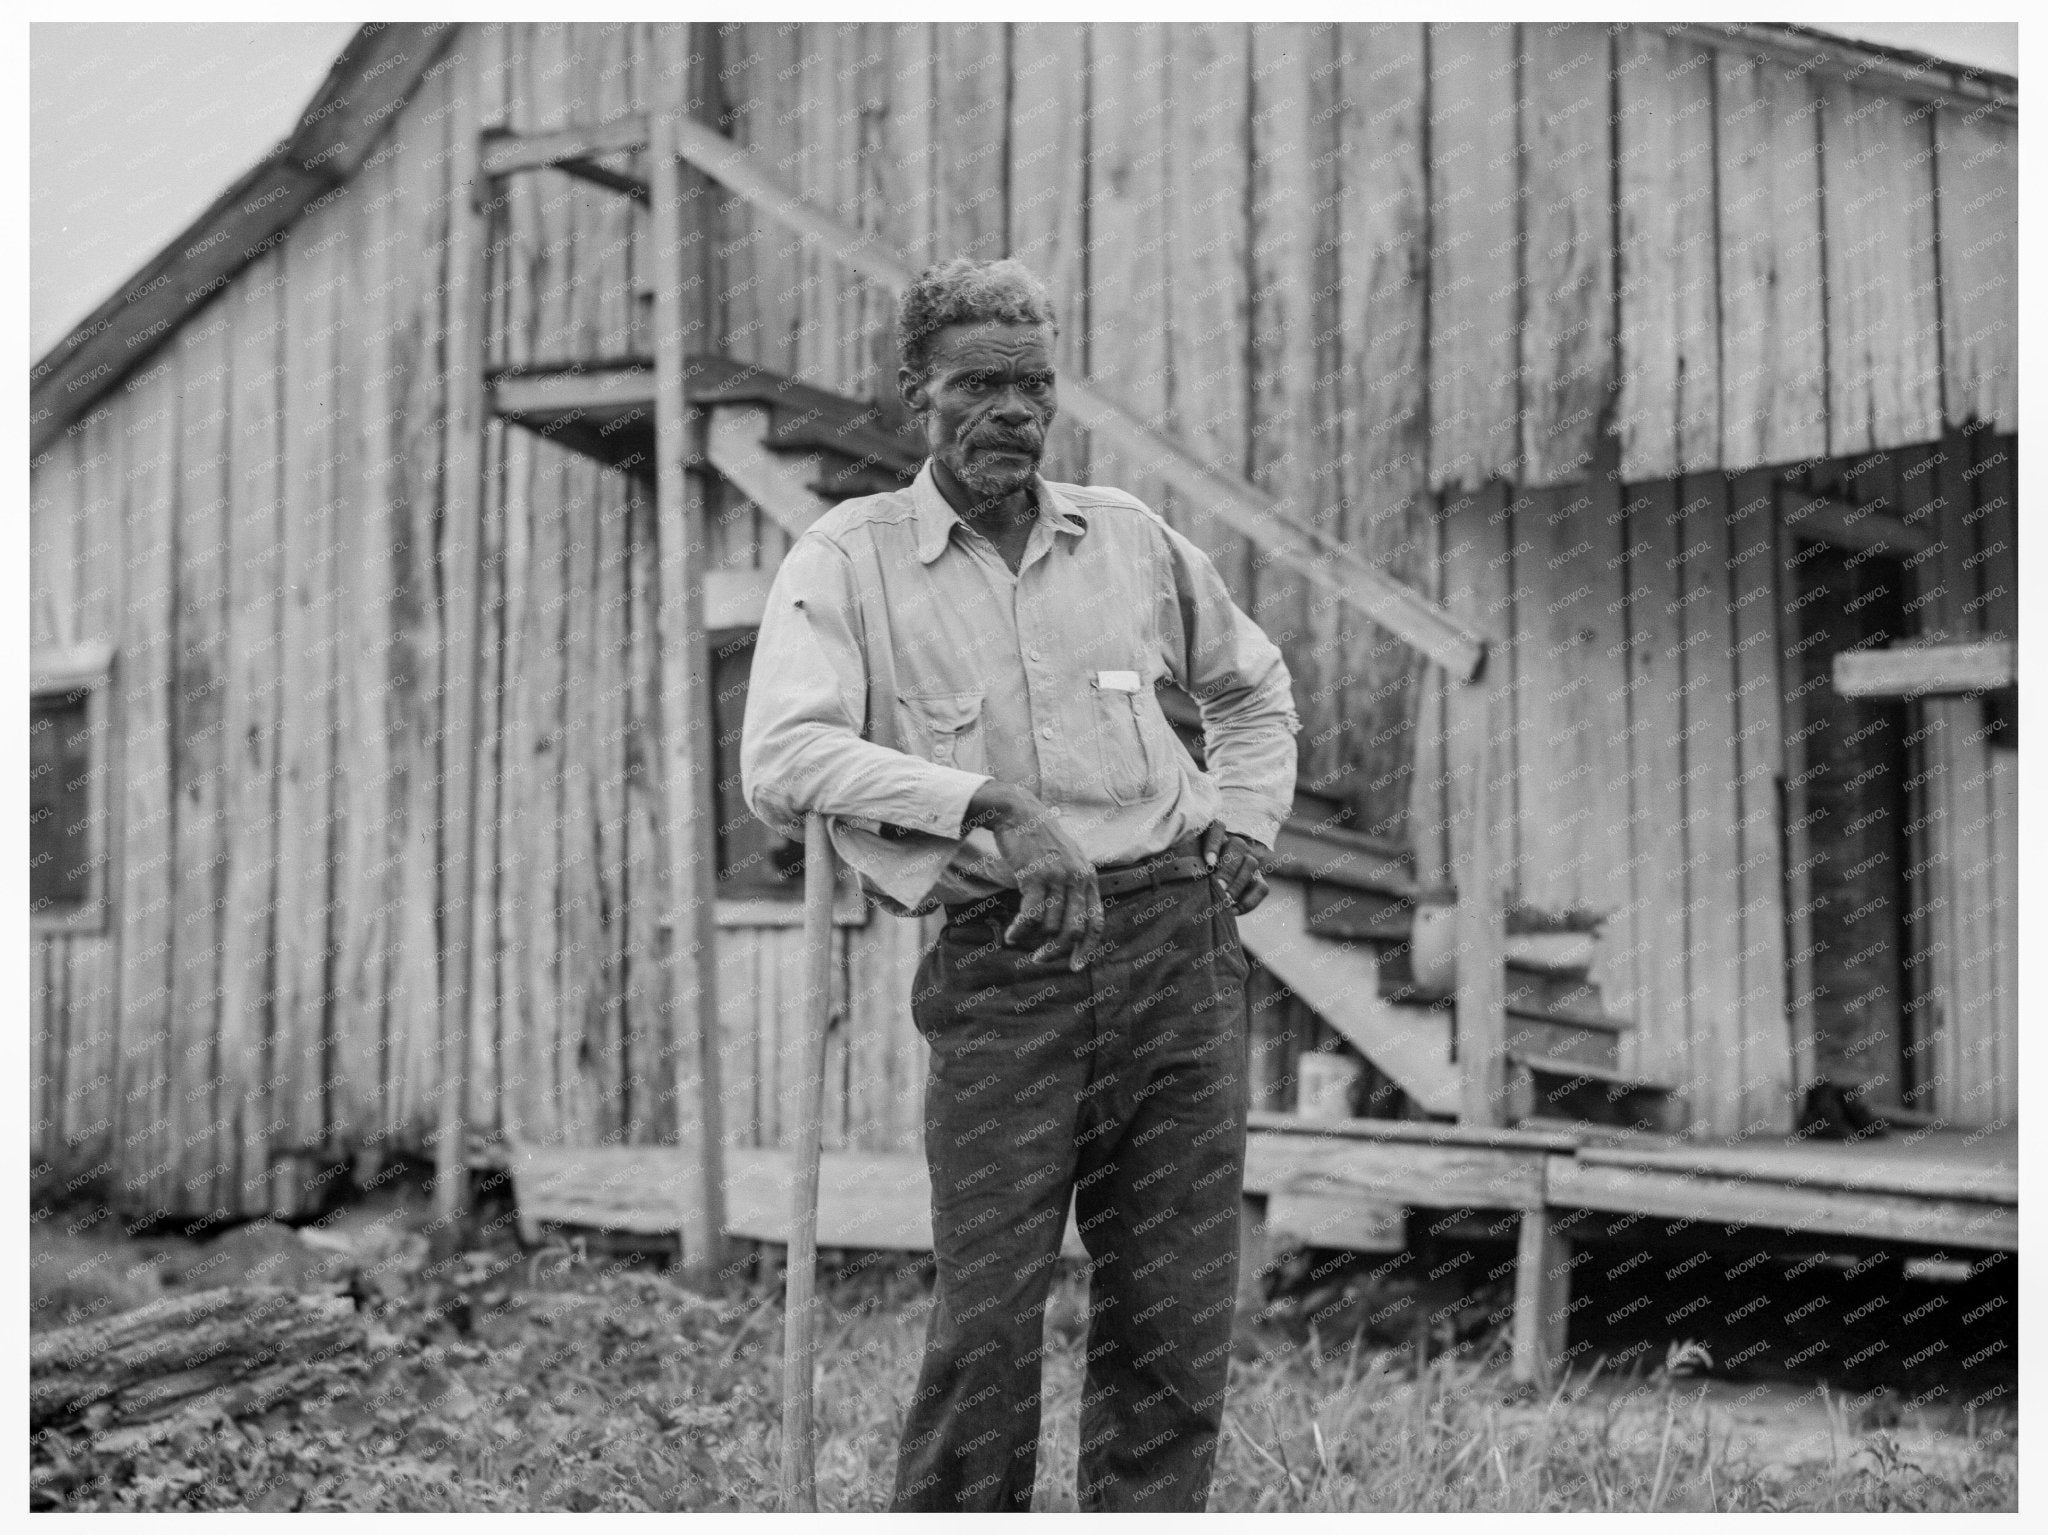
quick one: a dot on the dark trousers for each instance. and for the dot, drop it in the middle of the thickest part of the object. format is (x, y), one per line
(1122, 1087)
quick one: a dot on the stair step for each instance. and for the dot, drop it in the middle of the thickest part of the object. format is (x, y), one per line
(1359, 916)
(1554, 1088)
(1550, 1039)
(862, 446)
(1348, 858)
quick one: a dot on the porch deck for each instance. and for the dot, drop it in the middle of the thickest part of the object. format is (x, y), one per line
(1349, 1183)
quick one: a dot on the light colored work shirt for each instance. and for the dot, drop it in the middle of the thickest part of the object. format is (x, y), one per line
(901, 664)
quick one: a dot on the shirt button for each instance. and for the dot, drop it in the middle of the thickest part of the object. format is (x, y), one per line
(1034, 655)
(1045, 731)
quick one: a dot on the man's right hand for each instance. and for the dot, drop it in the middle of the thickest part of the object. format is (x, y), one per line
(1061, 909)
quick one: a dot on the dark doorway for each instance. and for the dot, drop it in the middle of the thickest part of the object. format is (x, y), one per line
(1848, 807)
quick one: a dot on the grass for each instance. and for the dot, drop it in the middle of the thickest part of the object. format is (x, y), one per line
(558, 1381)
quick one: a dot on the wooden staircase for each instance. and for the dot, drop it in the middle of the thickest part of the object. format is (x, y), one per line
(1344, 922)
(1341, 929)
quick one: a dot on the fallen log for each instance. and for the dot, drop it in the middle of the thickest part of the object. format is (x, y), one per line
(236, 1349)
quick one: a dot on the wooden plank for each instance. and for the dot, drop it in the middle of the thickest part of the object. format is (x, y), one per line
(908, 151)
(580, 1038)
(1934, 1163)
(970, 125)
(1474, 408)
(1048, 181)
(486, 1083)
(1977, 165)
(1383, 430)
(256, 579)
(83, 1048)
(1208, 302)
(1669, 412)
(1657, 1048)
(739, 1030)
(1439, 1176)
(310, 788)
(646, 1120)
(1774, 350)
(418, 485)
(686, 752)
(1433, 1132)
(199, 672)
(1543, 1274)
(1884, 346)
(1294, 288)
(1337, 1221)
(865, 368)
(1716, 1079)
(813, 155)
(602, 771)
(1126, 260)
(1686, 1194)
(504, 153)
(144, 897)
(370, 618)
(1759, 749)
(1565, 181)
(464, 554)
(1479, 766)
(1917, 671)
(52, 625)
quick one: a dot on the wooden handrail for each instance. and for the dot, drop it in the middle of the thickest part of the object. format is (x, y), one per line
(1302, 548)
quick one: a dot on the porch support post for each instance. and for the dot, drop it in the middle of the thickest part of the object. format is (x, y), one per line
(462, 585)
(1477, 724)
(1543, 1279)
(687, 761)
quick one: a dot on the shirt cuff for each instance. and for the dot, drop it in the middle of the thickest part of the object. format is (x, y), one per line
(1252, 814)
(935, 803)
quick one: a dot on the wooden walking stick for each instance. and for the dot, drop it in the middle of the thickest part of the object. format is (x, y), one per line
(799, 1486)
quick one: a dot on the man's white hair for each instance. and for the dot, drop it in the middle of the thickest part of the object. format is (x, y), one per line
(962, 291)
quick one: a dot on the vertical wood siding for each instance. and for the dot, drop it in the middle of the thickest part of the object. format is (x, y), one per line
(1394, 272)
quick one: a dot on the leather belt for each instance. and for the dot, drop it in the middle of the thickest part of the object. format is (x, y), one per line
(1181, 861)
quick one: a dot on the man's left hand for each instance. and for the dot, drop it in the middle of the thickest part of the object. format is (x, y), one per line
(1239, 862)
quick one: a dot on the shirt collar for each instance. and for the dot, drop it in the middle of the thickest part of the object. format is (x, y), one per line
(936, 517)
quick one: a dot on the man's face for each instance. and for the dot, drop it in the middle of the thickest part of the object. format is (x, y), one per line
(987, 401)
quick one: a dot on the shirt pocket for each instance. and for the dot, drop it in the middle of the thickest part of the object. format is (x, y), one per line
(1127, 745)
(946, 728)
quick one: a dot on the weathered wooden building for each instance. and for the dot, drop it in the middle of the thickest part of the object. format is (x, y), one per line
(387, 692)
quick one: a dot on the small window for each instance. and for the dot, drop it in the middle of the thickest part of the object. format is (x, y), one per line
(753, 860)
(67, 793)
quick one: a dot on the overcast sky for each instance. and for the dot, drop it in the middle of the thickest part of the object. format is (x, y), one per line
(135, 127)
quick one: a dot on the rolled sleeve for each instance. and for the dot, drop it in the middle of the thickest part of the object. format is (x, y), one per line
(1239, 678)
(801, 743)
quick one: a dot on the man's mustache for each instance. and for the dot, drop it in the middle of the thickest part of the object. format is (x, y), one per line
(1004, 441)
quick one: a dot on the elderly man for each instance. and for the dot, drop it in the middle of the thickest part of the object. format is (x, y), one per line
(961, 676)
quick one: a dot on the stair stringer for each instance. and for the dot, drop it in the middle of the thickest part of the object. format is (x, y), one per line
(778, 482)
(1340, 980)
